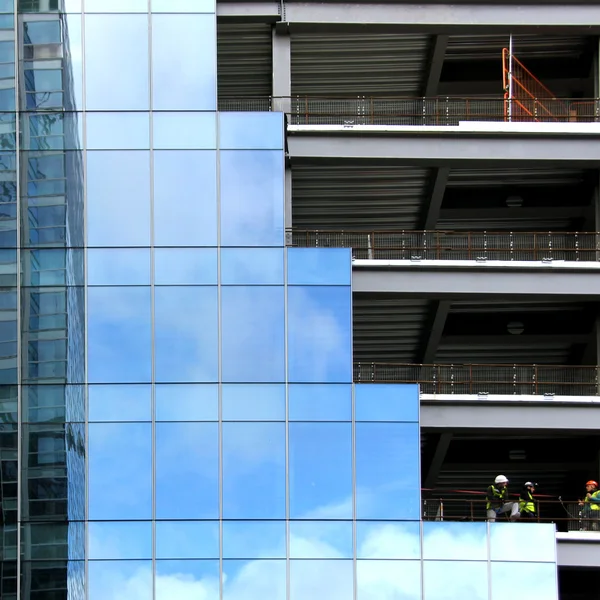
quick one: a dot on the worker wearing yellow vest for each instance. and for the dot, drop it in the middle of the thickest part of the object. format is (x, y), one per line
(497, 500)
(591, 506)
(527, 506)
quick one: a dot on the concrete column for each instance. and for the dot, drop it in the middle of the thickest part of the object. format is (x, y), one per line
(282, 72)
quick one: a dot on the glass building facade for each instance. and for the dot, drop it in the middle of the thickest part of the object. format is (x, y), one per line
(179, 420)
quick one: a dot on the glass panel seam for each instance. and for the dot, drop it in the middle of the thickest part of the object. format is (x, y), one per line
(489, 557)
(287, 429)
(354, 508)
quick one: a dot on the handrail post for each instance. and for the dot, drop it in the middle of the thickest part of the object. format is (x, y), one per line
(369, 246)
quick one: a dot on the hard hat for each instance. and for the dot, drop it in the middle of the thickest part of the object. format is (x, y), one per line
(501, 479)
(592, 482)
(529, 484)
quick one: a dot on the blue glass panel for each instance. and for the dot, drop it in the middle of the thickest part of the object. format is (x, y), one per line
(185, 198)
(534, 543)
(196, 579)
(52, 267)
(116, 6)
(119, 335)
(123, 86)
(107, 578)
(122, 266)
(320, 470)
(320, 402)
(185, 402)
(254, 539)
(252, 266)
(185, 131)
(387, 402)
(42, 32)
(185, 266)
(533, 580)
(253, 402)
(251, 131)
(187, 539)
(321, 539)
(393, 579)
(120, 471)
(7, 6)
(455, 541)
(53, 131)
(253, 470)
(118, 131)
(118, 201)
(321, 579)
(186, 321)
(187, 471)
(319, 266)
(185, 6)
(264, 579)
(253, 334)
(387, 471)
(252, 198)
(320, 334)
(184, 74)
(135, 540)
(388, 540)
(454, 580)
(119, 403)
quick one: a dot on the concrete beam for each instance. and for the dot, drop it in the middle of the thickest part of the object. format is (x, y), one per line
(432, 209)
(578, 549)
(447, 146)
(248, 12)
(282, 73)
(436, 62)
(477, 281)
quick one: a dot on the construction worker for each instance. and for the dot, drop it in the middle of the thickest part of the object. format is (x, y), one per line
(497, 500)
(591, 506)
(527, 507)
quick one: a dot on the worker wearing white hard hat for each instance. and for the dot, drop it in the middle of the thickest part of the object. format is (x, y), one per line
(497, 500)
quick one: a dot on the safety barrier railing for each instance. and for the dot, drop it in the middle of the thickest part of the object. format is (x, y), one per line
(437, 111)
(568, 516)
(484, 379)
(455, 245)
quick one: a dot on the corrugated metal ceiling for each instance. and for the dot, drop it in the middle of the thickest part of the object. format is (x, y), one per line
(355, 196)
(355, 65)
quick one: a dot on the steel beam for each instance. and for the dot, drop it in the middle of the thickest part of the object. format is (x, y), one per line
(578, 549)
(436, 62)
(437, 460)
(432, 209)
(545, 212)
(435, 330)
(248, 12)
(514, 340)
(444, 146)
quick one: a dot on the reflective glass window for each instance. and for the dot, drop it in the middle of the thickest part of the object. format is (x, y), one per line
(187, 402)
(394, 579)
(321, 579)
(118, 131)
(116, 6)
(321, 539)
(387, 540)
(319, 266)
(387, 471)
(251, 131)
(253, 402)
(107, 578)
(533, 580)
(119, 335)
(198, 578)
(52, 267)
(252, 328)
(455, 541)
(119, 403)
(320, 402)
(252, 266)
(320, 456)
(185, 198)
(176, 6)
(187, 471)
(42, 32)
(53, 131)
(185, 266)
(123, 86)
(185, 131)
(387, 402)
(454, 580)
(253, 470)
(45, 403)
(254, 539)
(118, 206)
(54, 541)
(187, 539)
(118, 266)
(120, 471)
(264, 579)
(186, 344)
(535, 543)
(184, 74)
(252, 198)
(319, 334)
(134, 540)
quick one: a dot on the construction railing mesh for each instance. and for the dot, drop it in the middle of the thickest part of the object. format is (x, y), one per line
(485, 379)
(455, 245)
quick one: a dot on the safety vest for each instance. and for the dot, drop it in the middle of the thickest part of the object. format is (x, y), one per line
(495, 496)
(593, 505)
(526, 502)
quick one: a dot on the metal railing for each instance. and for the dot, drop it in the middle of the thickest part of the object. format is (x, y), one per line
(568, 516)
(485, 379)
(455, 245)
(437, 111)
